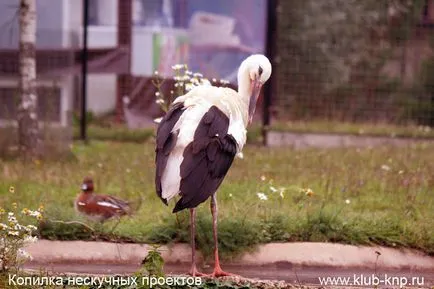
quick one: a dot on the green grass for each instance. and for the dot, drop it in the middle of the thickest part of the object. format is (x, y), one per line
(116, 133)
(368, 129)
(390, 192)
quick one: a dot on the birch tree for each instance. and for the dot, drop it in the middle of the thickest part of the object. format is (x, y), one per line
(28, 129)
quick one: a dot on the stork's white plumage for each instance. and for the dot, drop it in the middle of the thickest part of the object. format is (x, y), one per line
(199, 137)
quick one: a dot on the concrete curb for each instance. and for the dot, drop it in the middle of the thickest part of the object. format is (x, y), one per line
(329, 140)
(274, 254)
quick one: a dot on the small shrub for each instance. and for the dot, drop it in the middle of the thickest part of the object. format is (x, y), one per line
(153, 262)
(276, 229)
(421, 97)
(170, 230)
(235, 236)
(76, 118)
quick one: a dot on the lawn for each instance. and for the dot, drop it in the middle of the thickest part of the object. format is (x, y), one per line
(381, 195)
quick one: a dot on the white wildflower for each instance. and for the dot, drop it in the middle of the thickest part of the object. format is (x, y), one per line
(159, 101)
(185, 78)
(13, 233)
(155, 72)
(347, 201)
(263, 178)
(189, 86)
(385, 168)
(281, 194)
(400, 172)
(30, 240)
(230, 195)
(22, 254)
(11, 218)
(214, 80)
(198, 75)
(35, 214)
(188, 72)
(205, 81)
(158, 119)
(262, 196)
(31, 227)
(177, 67)
(273, 189)
(157, 94)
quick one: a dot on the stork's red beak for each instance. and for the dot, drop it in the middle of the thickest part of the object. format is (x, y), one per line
(256, 89)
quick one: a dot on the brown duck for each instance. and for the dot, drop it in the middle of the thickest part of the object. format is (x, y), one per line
(99, 207)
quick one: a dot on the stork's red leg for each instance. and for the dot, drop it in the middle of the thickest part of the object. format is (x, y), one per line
(218, 272)
(193, 271)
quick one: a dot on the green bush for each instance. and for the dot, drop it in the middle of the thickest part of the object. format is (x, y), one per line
(421, 103)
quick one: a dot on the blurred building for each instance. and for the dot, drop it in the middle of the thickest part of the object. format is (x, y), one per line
(163, 33)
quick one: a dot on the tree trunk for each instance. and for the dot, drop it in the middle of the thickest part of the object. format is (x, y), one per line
(28, 129)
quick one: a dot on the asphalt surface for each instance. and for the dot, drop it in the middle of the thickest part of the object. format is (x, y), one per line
(284, 272)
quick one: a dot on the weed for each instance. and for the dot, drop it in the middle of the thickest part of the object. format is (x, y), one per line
(153, 262)
(14, 236)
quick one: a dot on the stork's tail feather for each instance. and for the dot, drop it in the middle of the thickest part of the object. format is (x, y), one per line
(176, 210)
(179, 206)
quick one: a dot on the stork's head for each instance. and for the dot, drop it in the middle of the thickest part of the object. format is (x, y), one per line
(87, 185)
(254, 71)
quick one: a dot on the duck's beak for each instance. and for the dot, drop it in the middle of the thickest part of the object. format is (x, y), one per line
(256, 85)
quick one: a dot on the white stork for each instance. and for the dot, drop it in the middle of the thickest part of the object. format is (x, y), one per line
(198, 139)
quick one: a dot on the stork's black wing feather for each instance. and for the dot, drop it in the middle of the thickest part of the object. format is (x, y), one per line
(166, 140)
(206, 160)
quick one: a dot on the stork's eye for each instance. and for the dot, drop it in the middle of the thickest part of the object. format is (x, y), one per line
(260, 70)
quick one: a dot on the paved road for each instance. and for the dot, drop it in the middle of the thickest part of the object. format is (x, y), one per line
(300, 275)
